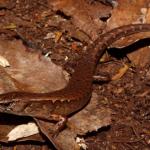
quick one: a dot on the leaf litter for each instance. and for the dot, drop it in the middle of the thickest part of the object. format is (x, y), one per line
(83, 20)
(41, 77)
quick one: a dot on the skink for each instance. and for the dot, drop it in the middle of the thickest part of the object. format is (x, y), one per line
(59, 105)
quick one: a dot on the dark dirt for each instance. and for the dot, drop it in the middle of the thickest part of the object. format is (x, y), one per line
(128, 97)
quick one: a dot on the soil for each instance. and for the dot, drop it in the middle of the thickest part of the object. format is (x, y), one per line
(128, 97)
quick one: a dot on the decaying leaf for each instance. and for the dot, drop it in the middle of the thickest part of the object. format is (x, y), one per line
(132, 12)
(121, 72)
(31, 71)
(23, 130)
(9, 122)
(99, 117)
(85, 16)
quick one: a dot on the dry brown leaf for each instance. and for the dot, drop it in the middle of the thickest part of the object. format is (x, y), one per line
(140, 57)
(31, 71)
(132, 12)
(120, 73)
(129, 12)
(9, 122)
(99, 117)
(23, 130)
(84, 16)
(6, 82)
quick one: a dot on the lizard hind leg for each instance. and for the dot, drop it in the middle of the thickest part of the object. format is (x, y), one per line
(44, 127)
(61, 122)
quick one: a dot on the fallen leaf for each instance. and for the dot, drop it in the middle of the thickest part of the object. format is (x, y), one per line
(85, 16)
(140, 57)
(120, 73)
(33, 72)
(23, 130)
(129, 13)
(99, 117)
(132, 12)
(9, 122)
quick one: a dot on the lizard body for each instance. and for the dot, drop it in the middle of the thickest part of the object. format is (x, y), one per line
(60, 104)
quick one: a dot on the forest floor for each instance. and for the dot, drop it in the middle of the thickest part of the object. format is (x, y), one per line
(62, 30)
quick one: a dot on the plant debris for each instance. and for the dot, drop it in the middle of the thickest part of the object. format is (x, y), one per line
(118, 116)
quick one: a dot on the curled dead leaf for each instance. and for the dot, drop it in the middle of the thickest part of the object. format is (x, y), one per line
(120, 73)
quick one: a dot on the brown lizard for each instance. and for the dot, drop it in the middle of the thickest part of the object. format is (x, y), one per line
(59, 105)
